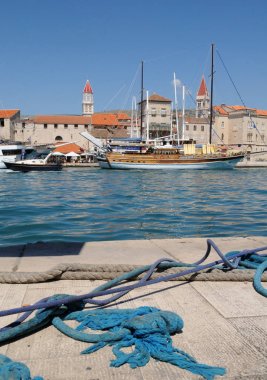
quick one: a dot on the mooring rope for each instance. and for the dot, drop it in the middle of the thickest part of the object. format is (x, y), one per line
(150, 333)
(117, 289)
(111, 271)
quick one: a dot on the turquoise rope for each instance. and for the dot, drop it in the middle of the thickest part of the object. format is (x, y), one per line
(10, 370)
(146, 329)
(257, 279)
(55, 311)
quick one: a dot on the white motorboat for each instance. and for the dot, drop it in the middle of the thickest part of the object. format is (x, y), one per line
(43, 161)
(12, 153)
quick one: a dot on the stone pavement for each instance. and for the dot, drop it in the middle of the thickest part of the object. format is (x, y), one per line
(225, 322)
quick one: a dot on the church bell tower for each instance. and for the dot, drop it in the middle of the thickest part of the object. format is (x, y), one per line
(88, 100)
(203, 100)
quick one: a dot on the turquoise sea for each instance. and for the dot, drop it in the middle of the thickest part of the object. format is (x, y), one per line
(90, 204)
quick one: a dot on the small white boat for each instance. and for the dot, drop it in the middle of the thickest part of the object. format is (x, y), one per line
(44, 161)
(12, 153)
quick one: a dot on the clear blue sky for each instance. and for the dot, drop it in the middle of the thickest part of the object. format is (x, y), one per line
(50, 47)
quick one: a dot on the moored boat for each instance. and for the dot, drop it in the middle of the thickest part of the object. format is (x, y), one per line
(173, 153)
(40, 162)
(170, 158)
(12, 152)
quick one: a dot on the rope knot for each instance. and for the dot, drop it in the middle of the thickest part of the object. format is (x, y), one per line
(163, 322)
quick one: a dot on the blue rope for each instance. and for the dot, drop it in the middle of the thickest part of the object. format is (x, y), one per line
(257, 279)
(55, 310)
(230, 261)
(10, 370)
(147, 329)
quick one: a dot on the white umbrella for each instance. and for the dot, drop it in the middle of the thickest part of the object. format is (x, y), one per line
(72, 154)
(58, 154)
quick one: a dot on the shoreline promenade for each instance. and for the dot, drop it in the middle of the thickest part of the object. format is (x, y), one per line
(225, 322)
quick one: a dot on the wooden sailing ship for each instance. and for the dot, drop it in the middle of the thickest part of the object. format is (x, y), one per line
(184, 156)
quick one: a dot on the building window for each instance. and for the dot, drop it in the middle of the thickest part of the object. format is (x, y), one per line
(249, 137)
(222, 125)
(262, 138)
(45, 126)
(86, 126)
(59, 138)
(194, 128)
(187, 127)
(55, 126)
(65, 126)
(202, 128)
(153, 112)
(75, 125)
(163, 112)
(222, 136)
(2, 123)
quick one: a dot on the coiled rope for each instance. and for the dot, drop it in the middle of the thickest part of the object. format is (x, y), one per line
(111, 271)
(54, 310)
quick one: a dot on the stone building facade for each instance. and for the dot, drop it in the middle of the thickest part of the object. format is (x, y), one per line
(157, 116)
(8, 120)
(238, 125)
(51, 129)
(232, 125)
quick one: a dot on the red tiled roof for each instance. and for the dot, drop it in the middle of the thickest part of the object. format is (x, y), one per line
(104, 119)
(87, 88)
(123, 116)
(7, 114)
(61, 119)
(97, 119)
(202, 91)
(261, 112)
(220, 110)
(158, 98)
(68, 147)
(225, 109)
(241, 108)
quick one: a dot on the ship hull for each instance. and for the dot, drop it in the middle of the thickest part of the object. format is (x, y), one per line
(29, 167)
(124, 163)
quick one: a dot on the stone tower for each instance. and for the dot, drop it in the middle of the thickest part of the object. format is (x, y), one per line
(203, 100)
(88, 100)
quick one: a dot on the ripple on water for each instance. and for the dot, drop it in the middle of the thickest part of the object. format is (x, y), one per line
(93, 204)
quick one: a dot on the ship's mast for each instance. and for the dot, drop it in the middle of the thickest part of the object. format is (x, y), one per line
(142, 99)
(211, 93)
(176, 109)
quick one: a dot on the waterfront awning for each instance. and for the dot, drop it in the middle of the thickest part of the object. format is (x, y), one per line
(72, 154)
(58, 154)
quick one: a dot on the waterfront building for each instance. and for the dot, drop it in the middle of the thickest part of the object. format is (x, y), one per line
(8, 119)
(50, 129)
(196, 129)
(232, 125)
(239, 125)
(156, 116)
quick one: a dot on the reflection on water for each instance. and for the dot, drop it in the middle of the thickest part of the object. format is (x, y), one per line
(93, 204)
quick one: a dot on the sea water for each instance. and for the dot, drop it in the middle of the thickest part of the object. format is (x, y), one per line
(92, 204)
